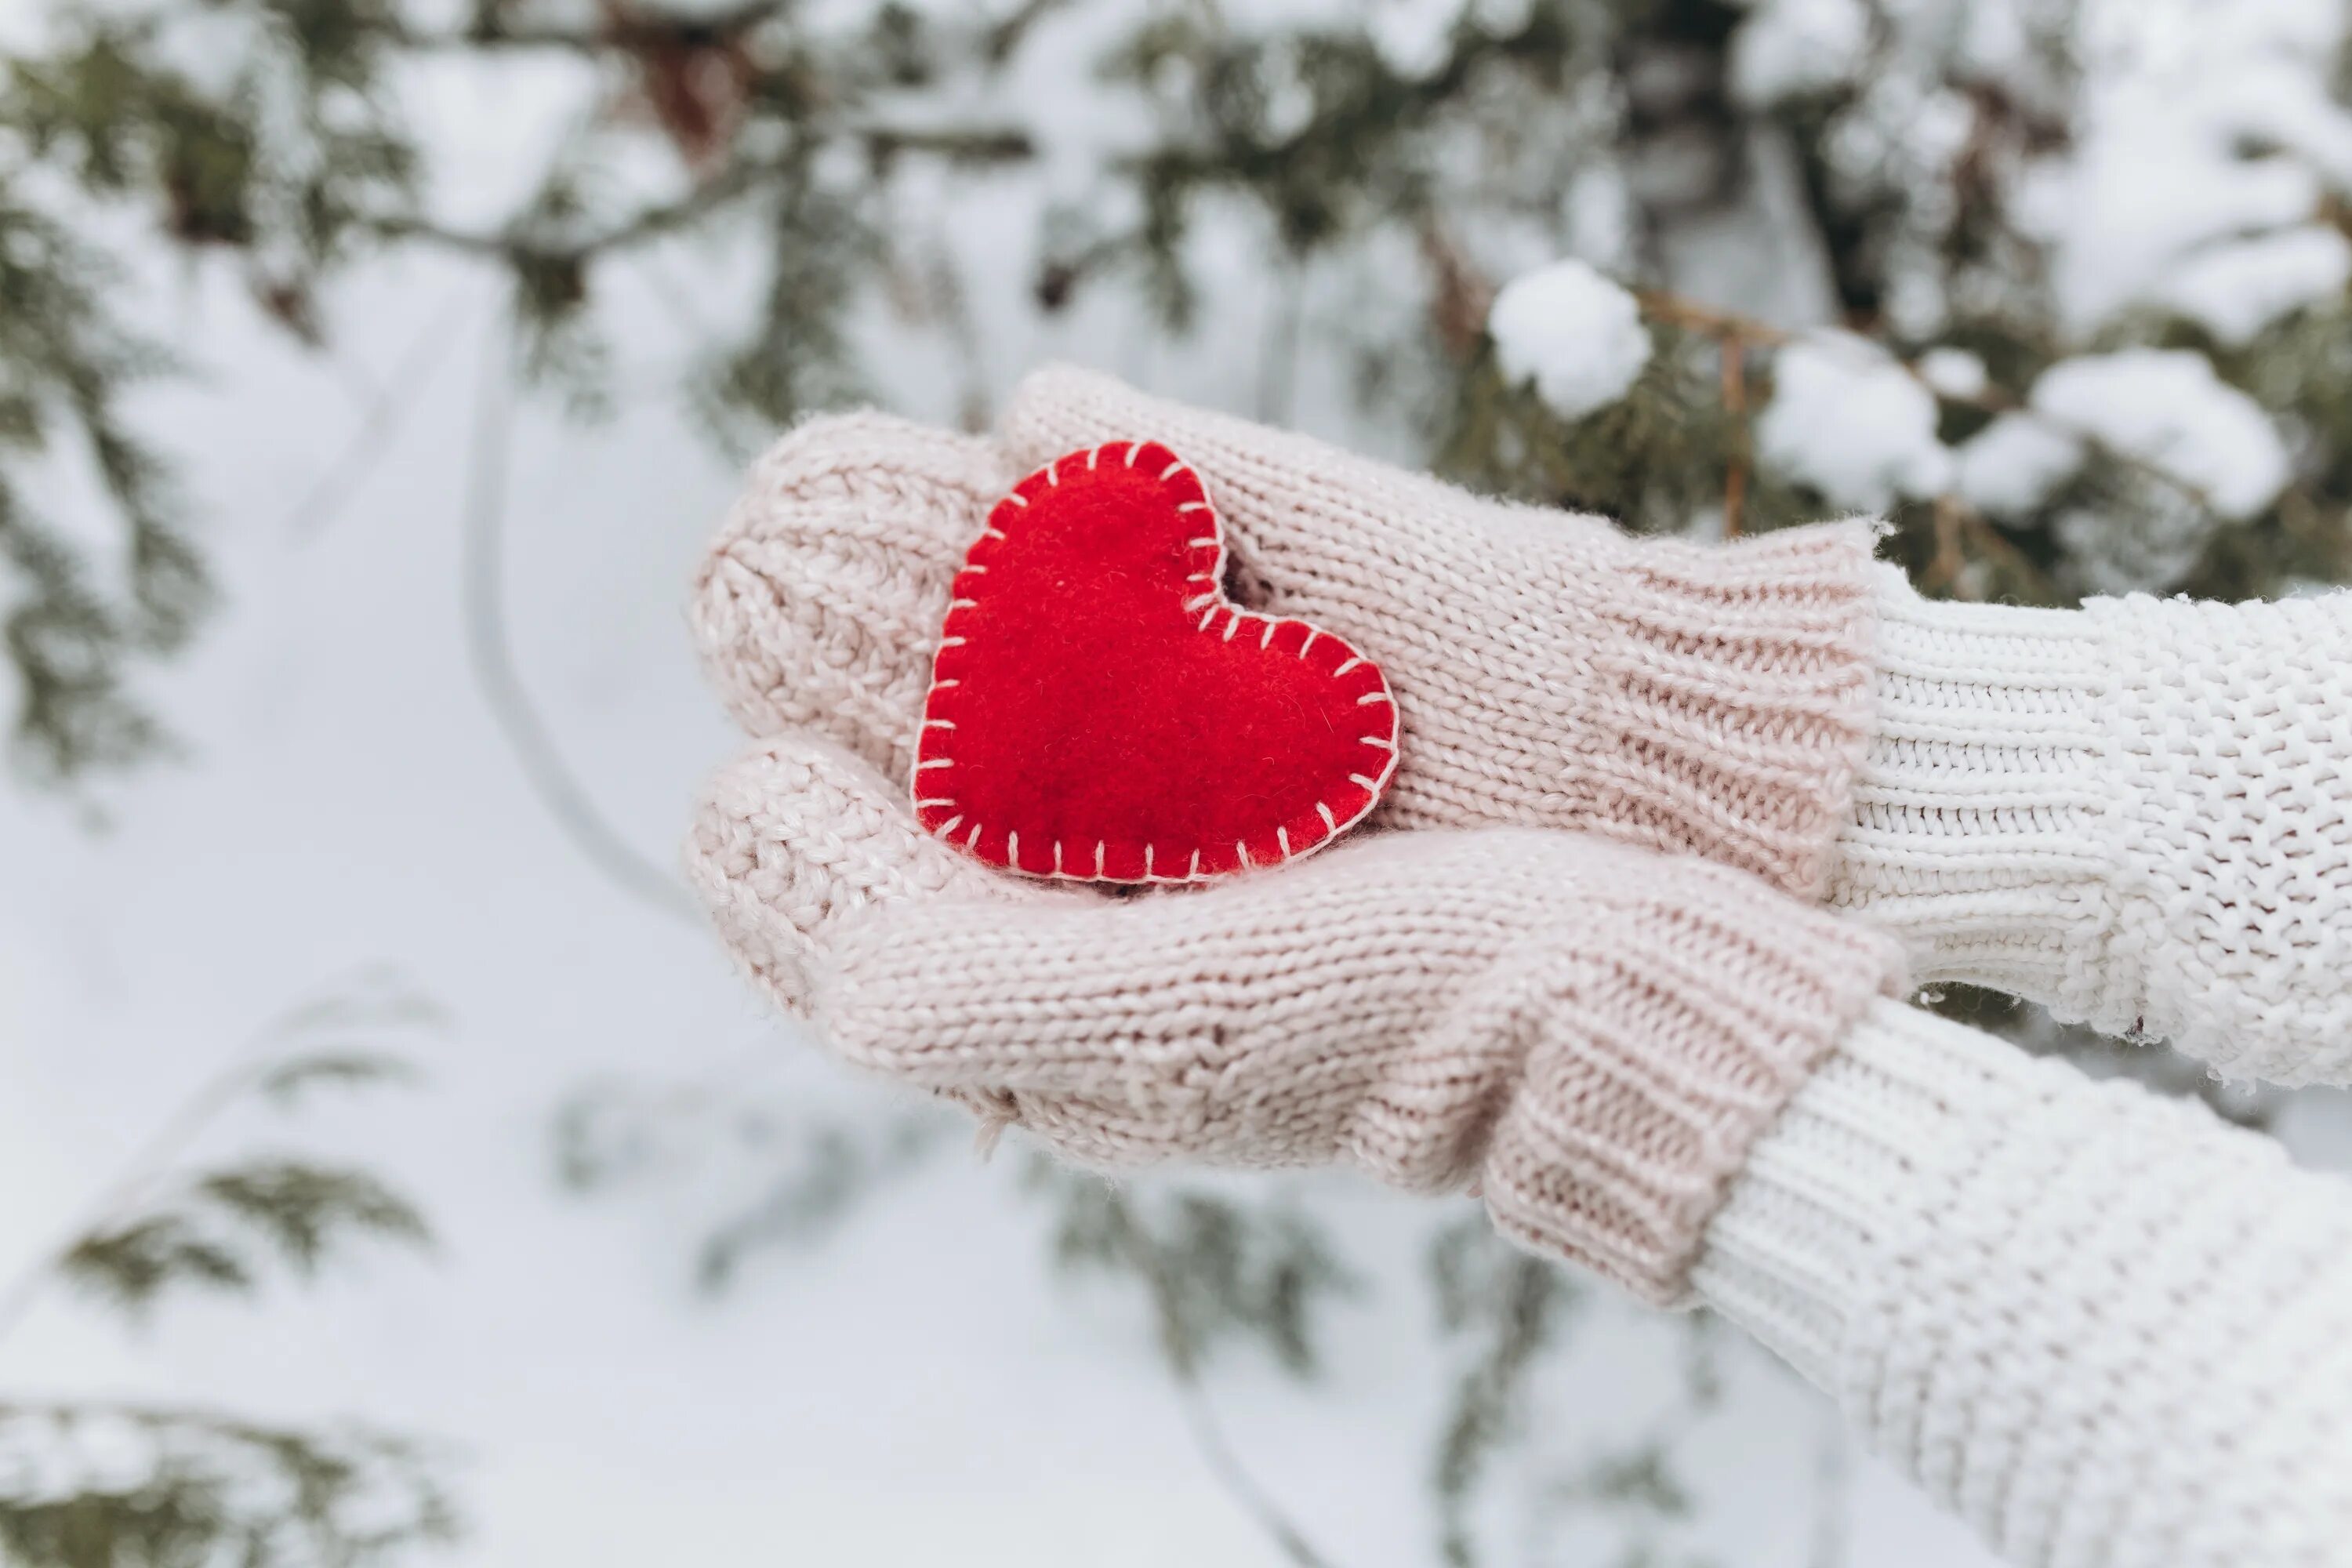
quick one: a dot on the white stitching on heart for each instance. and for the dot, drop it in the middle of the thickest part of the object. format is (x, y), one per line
(1210, 602)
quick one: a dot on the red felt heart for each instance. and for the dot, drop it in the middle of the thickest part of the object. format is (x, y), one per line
(1099, 711)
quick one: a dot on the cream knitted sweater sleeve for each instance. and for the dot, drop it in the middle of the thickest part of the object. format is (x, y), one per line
(2139, 814)
(2105, 1328)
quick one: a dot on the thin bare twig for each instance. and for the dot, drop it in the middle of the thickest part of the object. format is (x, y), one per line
(491, 658)
(387, 411)
(1144, 1255)
(1735, 404)
(622, 28)
(737, 179)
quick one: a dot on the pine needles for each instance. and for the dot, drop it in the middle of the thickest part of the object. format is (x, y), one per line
(122, 1484)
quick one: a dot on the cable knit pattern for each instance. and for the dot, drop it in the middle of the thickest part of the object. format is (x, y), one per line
(1551, 671)
(2105, 1328)
(1594, 1033)
(2139, 815)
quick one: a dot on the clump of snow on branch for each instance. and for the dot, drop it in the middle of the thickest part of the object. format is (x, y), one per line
(1573, 333)
(2168, 409)
(2235, 291)
(2014, 465)
(1794, 48)
(1954, 373)
(2198, 142)
(1853, 423)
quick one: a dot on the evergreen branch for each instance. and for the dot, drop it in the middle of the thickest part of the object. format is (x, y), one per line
(65, 368)
(626, 30)
(732, 182)
(1203, 1288)
(204, 1486)
(128, 1244)
(207, 1236)
(291, 1081)
(1516, 1304)
(1730, 327)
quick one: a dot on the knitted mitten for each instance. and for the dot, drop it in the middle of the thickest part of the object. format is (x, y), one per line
(1548, 670)
(2139, 814)
(1593, 1034)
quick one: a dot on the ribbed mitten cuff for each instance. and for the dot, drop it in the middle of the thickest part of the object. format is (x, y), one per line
(1733, 704)
(1549, 670)
(1675, 1043)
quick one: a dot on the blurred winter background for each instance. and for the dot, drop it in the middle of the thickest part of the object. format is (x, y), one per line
(391, 1169)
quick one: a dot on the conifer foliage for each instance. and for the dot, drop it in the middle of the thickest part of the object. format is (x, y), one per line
(123, 1483)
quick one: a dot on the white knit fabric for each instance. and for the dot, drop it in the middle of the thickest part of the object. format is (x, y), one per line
(2139, 814)
(2106, 1329)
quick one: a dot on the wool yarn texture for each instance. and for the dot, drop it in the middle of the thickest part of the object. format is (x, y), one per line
(1593, 1034)
(2139, 814)
(1547, 670)
(2106, 1328)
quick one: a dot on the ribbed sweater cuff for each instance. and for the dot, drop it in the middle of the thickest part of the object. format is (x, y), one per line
(1686, 1035)
(1978, 828)
(1900, 1099)
(1733, 699)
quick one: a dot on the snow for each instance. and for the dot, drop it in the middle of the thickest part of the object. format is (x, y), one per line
(1413, 36)
(2236, 291)
(2201, 125)
(2167, 407)
(1954, 373)
(1573, 333)
(1852, 423)
(1792, 48)
(2012, 467)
